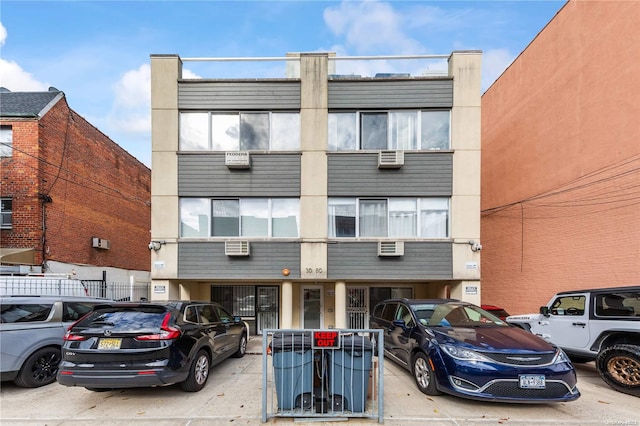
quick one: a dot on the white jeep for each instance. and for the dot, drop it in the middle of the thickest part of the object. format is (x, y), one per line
(597, 324)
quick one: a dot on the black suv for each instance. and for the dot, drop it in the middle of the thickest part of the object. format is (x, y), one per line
(123, 345)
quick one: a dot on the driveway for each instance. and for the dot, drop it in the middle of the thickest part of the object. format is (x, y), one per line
(233, 396)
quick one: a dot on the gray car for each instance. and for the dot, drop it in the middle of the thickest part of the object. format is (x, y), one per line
(31, 332)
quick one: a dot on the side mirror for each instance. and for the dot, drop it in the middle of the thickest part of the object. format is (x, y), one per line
(400, 323)
(544, 310)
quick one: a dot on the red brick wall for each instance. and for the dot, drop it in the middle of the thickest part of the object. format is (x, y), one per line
(561, 160)
(19, 180)
(97, 190)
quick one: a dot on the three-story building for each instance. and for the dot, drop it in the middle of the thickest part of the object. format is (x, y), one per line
(300, 202)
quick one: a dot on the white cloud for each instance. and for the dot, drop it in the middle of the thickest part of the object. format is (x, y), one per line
(371, 27)
(132, 102)
(494, 62)
(3, 34)
(186, 73)
(13, 77)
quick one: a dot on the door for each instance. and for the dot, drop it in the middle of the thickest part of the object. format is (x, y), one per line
(568, 322)
(312, 307)
(266, 308)
(357, 307)
(214, 328)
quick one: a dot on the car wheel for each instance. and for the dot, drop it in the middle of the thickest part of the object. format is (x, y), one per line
(423, 375)
(198, 373)
(39, 369)
(242, 347)
(619, 367)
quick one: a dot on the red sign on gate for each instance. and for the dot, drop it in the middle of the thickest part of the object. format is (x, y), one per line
(326, 340)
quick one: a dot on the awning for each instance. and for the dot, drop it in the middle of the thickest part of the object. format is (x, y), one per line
(17, 256)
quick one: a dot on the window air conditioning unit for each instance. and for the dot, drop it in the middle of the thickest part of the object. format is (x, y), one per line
(390, 248)
(236, 248)
(390, 159)
(100, 243)
(237, 159)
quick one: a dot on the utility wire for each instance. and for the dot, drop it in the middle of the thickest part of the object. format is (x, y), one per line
(72, 174)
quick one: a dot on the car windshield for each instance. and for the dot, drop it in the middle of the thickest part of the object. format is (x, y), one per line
(455, 315)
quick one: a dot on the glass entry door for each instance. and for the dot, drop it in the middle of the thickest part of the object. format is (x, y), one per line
(312, 307)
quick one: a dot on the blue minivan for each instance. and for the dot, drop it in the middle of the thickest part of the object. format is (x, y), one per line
(460, 349)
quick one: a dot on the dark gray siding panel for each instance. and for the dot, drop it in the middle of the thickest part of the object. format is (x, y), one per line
(423, 175)
(270, 175)
(360, 260)
(207, 260)
(239, 95)
(390, 94)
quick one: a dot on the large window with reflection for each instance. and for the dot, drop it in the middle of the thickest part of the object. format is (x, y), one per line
(239, 131)
(393, 130)
(239, 217)
(389, 217)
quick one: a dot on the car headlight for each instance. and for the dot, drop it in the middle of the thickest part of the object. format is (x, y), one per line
(464, 354)
(561, 357)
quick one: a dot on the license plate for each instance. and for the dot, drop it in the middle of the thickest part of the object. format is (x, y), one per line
(532, 381)
(109, 343)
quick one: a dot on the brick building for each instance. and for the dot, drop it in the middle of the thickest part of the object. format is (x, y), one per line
(561, 160)
(72, 199)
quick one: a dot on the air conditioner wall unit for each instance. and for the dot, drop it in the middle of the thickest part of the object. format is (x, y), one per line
(237, 159)
(390, 248)
(390, 159)
(236, 248)
(100, 243)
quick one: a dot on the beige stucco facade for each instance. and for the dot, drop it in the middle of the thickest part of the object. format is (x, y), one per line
(314, 68)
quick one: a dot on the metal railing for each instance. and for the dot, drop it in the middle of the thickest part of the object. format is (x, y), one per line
(322, 374)
(64, 286)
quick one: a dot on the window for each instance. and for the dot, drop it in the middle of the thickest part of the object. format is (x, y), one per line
(73, 311)
(245, 217)
(6, 213)
(396, 130)
(617, 304)
(250, 131)
(25, 312)
(194, 217)
(568, 305)
(389, 217)
(6, 141)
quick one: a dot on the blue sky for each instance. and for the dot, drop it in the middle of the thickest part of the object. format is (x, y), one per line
(97, 52)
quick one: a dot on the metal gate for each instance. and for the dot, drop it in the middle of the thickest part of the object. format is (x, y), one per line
(266, 308)
(331, 374)
(357, 308)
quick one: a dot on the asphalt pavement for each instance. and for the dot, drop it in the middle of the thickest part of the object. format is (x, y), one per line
(233, 395)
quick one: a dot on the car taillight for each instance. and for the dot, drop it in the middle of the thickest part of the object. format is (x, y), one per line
(68, 336)
(166, 332)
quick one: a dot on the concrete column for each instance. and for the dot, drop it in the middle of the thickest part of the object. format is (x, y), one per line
(468, 291)
(286, 321)
(340, 308)
(465, 68)
(166, 70)
(313, 179)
